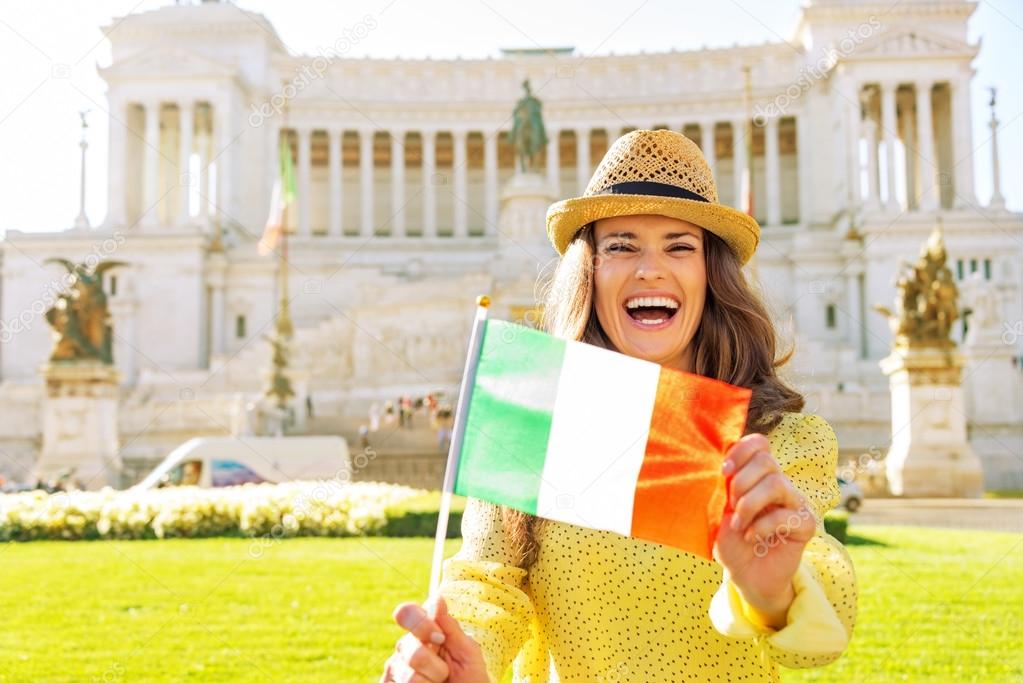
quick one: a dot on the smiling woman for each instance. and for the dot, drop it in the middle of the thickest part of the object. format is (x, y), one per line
(651, 267)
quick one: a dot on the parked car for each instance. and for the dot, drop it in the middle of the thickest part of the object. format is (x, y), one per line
(231, 461)
(852, 495)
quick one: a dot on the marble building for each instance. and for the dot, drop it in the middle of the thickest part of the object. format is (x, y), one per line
(861, 143)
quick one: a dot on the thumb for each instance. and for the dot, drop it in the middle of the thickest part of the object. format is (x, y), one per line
(454, 636)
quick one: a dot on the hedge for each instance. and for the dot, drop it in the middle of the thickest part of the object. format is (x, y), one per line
(323, 508)
(311, 508)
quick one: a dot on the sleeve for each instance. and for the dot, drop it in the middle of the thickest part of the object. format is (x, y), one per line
(485, 588)
(821, 618)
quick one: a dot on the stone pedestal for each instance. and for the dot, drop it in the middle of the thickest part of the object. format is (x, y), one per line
(524, 202)
(524, 252)
(80, 432)
(929, 454)
(523, 248)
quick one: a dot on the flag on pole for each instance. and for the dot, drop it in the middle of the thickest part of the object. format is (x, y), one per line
(282, 197)
(572, 432)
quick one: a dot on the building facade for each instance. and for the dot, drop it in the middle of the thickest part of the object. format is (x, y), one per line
(861, 143)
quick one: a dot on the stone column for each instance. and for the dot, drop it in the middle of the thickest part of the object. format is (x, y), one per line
(205, 192)
(150, 172)
(739, 162)
(707, 138)
(773, 172)
(962, 143)
(582, 155)
(223, 153)
(997, 202)
(334, 192)
(458, 191)
(907, 131)
(397, 182)
(184, 156)
(854, 115)
(804, 164)
(124, 318)
(927, 163)
(873, 184)
(490, 179)
(554, 161)
(304, 164)
(429, 188)
(888, 124)
(217, 281)
(117, 164)
(366, 181)
(854, 301)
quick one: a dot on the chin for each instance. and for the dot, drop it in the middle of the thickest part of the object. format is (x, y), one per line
(662, 355)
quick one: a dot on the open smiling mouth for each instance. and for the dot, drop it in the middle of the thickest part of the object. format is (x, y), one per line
(651, 311)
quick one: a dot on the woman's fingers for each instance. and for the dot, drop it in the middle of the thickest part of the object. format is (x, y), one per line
(781, 524)
(422, 659)
(398, 670)
(773, 489)
(758, 466)
(742, 450)
(388, 675)
(415, 620)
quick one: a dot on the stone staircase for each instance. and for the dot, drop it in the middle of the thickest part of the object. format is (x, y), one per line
(395, 455)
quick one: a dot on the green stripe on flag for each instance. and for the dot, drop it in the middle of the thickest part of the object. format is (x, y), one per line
(509, 419)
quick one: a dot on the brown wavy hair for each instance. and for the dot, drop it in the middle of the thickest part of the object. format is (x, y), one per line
(735, 342)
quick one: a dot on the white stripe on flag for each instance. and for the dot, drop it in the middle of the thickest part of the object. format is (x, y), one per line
(598, 438)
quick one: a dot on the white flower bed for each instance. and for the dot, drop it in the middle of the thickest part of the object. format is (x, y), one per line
(308, 508)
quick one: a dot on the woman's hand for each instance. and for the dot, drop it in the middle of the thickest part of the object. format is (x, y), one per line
(766, 525)
(434, 650)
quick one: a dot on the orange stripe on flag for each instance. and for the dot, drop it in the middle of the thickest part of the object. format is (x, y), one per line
(681, 493)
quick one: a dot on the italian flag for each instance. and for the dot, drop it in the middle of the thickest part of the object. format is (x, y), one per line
(571, 432)
(283, 196)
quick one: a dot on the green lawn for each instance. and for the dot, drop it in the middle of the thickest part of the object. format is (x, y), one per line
(935, 605)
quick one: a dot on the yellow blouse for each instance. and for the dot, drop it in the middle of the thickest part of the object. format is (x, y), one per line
(596, 606)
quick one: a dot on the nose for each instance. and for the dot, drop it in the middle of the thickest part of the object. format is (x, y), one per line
(648, 267)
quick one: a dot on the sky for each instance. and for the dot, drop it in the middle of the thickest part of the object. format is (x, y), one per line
(49, 51)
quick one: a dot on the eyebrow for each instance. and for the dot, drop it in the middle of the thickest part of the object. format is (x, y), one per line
(669, 236)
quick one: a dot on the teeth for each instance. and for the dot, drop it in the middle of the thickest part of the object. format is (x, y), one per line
(644, 301)
(653, 322)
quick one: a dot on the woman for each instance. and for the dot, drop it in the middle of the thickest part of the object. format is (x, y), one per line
(651, 267)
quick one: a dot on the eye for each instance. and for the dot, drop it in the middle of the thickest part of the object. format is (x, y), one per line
(617, 247)
(681, 247)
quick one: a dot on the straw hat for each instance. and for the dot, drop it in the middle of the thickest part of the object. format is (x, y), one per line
(659, 172)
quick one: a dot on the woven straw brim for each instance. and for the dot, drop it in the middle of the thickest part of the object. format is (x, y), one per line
(739, 230)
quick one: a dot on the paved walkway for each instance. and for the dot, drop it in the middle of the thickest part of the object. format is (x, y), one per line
(955, 513)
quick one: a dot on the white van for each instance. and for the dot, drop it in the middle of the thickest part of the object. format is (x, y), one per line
(230, 461)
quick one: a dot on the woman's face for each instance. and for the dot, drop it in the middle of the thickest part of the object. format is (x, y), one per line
(650, 283)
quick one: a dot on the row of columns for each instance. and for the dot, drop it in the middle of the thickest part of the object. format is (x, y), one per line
(918, 140)
(584, 168)
(429, 180)
(202, 141)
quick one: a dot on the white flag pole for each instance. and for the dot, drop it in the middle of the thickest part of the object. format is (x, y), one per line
(458, 433)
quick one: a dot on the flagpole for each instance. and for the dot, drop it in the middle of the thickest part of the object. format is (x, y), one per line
(458, 433)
